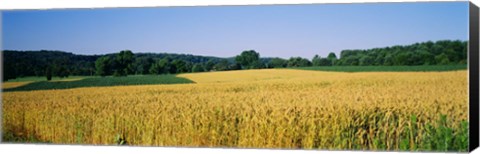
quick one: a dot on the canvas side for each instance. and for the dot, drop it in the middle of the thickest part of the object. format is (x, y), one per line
(1, 77)
(473, 68)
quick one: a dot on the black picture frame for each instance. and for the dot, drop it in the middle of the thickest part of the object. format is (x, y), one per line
(473, 68)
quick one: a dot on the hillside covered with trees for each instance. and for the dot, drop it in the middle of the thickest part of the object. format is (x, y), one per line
(63, 64)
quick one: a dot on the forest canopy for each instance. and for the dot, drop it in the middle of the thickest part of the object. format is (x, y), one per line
(63, 64)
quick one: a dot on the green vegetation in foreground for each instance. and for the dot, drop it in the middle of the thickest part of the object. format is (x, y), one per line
(437, 137)
(421, 68)
(100, 82)
(20, 138)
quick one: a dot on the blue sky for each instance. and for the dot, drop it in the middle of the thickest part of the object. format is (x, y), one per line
(225, 31)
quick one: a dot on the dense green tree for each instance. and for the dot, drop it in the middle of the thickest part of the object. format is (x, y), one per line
(332, 55)
(442, 52)
(349, 53)
(298, 62)
(142, 65)
(365, 61)
(388, 60)
(8, 72)
(102, 66)
(442, 59)
(188, 66)
(62, 71)
(332, 58)
(425, 57)
(324, 62)
(48, 73)
(181, 66)
(379, 60)
(234, 66)
(162, 66)
(60, 67)
(209, 65)
(257, 65)
(198, 68)
(34, 63)
(316, 60)
(319, 61)
(248, 59)
(123, 63)
(350, 61)
(277, 63)
(221, 66)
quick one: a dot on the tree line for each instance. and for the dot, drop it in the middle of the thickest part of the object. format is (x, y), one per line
(39, 63)
(63, 64)
(443, 52)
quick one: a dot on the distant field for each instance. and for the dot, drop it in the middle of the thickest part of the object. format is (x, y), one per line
(35, 83)
(40, 83)
(257, 75)
(8, 85)
(423, 68)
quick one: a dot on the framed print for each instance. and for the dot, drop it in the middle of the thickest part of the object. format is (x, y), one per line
(359, 76)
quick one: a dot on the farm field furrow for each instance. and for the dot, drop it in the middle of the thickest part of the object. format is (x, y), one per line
(270, 108)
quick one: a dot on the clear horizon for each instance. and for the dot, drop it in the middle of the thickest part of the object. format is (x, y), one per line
(225, 31)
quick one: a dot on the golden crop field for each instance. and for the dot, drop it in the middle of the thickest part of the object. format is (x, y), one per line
(269, 108)
(13, 84)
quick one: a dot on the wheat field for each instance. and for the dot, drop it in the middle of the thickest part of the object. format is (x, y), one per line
(7, 85)
(270, 108)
